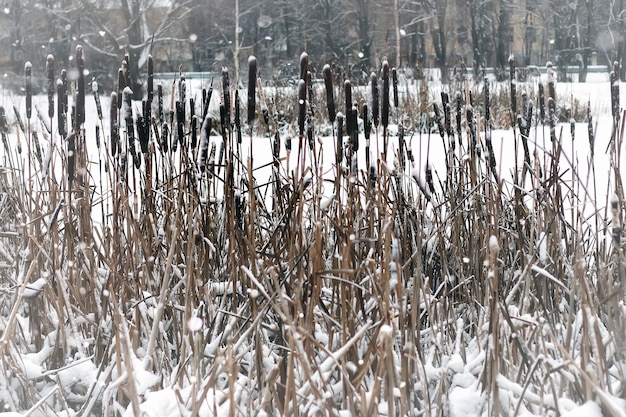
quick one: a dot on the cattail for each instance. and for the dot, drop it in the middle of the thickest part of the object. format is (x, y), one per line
(276, 148)
(288, 143)
(238, 117)
(339, 155)
(114, 123)
(429, 179)
(367, 124)
(206, 97)
(223, 119)
(438, 120)
(401, 147)
(220, 159)
(614, 77)
(385, 95)
(251, 89)
(127, 111)
(347, 88)
(513, 87)
(60, 112)
(542, 103)
(205, 133)
(182, 96)
(551, 81)
(301, 105)
(487, 103)
(65, 91)
(238, 209)
(394, 77)
(266, 116)
(211, 160)
(330, 98)
(160, 104)
(194, 123)
(98, 136)
(19, 119)
(471, 124)
(150, 78)
(123, 166)
(226, 93)
(126, 69)
(51, 85)
(374, 98)
(551, 118)
(45, 122)
(309, 89)
(165, 138)
(121, 84)
(28, 68)
(590, 128)
(37, 147)
(80, 87)
(143, 129)
(71, 149)
(459, 115)
(352, 121)
(4, 125)
(617, 227)
(304, 64)
(309, 133)
(180, 127)
(96, 96)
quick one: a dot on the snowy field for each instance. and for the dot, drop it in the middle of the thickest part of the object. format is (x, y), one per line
(161, 357)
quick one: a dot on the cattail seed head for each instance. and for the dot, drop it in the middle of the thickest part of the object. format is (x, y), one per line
(347, 88)
(226, 94)
(150, 78)
(252, 68)
(51, 84)
(385, 95)
(374, 105)
(80, 87)
(304, 64)
(330, 99)
(28, 68)
(205, 133)
(301, 105)
(394, 77)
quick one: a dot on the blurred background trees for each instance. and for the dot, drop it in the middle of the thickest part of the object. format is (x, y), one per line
(351, 35)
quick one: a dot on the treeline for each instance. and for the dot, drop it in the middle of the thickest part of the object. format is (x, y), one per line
(194, 35)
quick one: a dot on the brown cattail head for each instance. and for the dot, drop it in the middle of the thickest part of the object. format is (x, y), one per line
(542, 103)
(304, 64)
(301, 105)
(238, 117)
(65, 91)
(394, 77)
(347, 87)
(374, 98)
(80, 87)
(339, 154)
(96, 96)
(28, 68)
(385, 95)
(513, 82)
(252, 68)
(330, 98)
(150, 78)
(226, 94)
(614, 78)
(121, 84)
(205, 134)
(114, 124)
(61, 109)
(51, 84)
(367, 123)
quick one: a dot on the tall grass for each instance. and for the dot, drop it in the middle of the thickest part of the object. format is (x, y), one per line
(226, 292)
